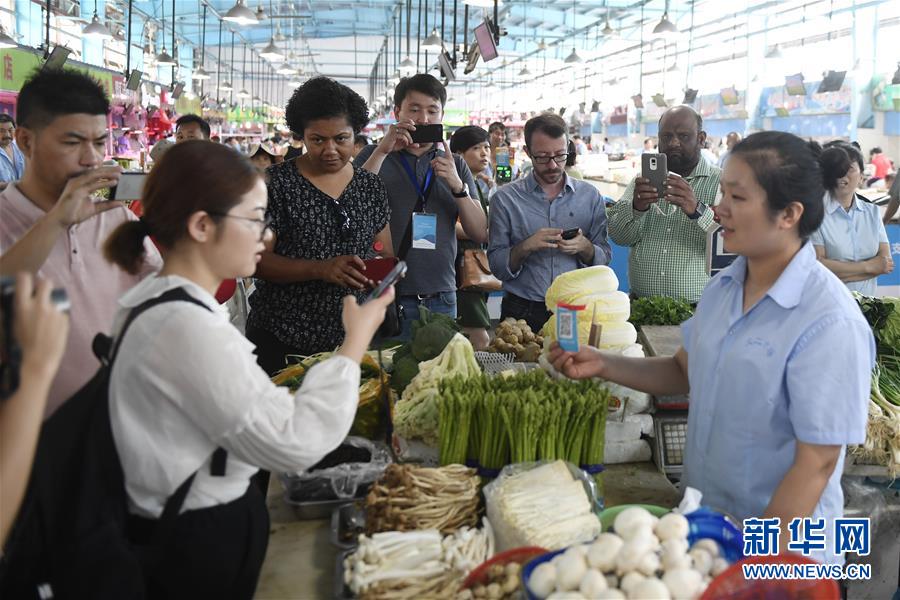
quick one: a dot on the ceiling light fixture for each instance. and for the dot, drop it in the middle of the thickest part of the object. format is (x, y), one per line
(164, 59)
(573, 58)
(240, 14)
(95, 28)
(480, 3)
(433, 41)
(285, 69)
(774, 53)
(200, 73)
(407, 66)
(665, 26)
(524, 72)
(271, 51)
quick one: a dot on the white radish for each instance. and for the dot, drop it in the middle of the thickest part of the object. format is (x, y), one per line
(672, 526)
(650, 589)
(592, 583)
(602, 553)
(543, 580)
(683, 583)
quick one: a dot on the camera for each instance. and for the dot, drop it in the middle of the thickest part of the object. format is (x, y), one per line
(10, 353)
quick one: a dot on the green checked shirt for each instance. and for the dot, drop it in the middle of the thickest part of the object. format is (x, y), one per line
(668, 250)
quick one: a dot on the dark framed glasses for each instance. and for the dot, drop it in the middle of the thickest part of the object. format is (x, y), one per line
(559, 159)
(264, 224)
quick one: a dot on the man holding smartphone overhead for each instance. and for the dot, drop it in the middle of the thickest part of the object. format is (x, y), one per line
(429, 188)
(544, 225)
(667, 228)
(53, 225)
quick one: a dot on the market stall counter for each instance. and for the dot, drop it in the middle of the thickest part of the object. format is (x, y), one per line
(300, 561)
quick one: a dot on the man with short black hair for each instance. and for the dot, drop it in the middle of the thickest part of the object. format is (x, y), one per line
(524, 252)
(731, 140)
(191, 127)
(12, 161)
(667, 235)
(54, 226)
(429, 189)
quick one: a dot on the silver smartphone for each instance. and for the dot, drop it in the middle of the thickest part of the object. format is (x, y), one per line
(655, 168)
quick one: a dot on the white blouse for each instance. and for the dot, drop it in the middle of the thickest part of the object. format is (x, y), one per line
(186, 381)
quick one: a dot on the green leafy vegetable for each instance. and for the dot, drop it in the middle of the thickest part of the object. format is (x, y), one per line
(660, 310)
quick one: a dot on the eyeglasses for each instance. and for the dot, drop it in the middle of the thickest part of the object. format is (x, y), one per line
(559, 159)
(265, 223)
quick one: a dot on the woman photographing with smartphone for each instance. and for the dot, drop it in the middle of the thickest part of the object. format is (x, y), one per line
(326, 217)
(187, 398)
(777, 357)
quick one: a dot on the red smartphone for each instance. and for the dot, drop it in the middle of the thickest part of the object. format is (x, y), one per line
(378, 268)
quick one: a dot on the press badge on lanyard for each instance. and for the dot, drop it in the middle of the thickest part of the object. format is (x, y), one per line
(424, 224)
(567, 326)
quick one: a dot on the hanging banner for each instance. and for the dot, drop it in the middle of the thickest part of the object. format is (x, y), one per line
(17, 66)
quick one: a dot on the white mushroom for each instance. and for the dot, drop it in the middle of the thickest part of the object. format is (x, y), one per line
(631, 554)
(702, 560)
(629, 581)
(649, 565)
(543, 580)
(569, 571)
(672, 526)
(650, 589)
(719, 566)
(708, 544)
(683, 583)
(592, 583)
(630, 518)
(609, 594)
(675, 546)
(602, 553)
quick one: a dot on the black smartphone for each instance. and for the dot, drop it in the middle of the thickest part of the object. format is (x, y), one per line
(568, 234)
(428, 134)
(655, 168)
(390, 279)
(130, 187)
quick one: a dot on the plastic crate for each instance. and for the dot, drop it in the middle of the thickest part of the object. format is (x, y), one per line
(671, 439)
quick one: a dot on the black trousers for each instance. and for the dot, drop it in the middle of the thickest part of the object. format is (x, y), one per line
(214, 552)
(534, 313)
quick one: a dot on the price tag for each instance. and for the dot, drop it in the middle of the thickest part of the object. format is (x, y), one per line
(567, 326)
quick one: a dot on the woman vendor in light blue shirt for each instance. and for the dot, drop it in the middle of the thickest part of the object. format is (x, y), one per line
(851, 241)
(777, 357)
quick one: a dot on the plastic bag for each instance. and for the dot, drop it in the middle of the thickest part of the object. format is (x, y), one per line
(505, 533)
(341, 480)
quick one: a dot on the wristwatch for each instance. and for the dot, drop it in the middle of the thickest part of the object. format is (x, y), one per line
(464, 193)
(701, 209)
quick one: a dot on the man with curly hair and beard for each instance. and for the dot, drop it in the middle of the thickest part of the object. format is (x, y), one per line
(326, 217)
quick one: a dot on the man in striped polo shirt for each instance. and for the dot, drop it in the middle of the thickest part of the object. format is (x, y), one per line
(667, 235)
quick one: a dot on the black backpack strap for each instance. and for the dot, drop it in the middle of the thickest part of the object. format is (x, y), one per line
(173, 295)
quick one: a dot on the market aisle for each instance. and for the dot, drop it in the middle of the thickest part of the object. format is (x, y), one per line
(300, 561)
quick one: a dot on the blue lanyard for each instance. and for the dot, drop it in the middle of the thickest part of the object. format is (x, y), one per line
(422, 190)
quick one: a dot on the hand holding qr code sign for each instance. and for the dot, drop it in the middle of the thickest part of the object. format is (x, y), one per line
(567, 326)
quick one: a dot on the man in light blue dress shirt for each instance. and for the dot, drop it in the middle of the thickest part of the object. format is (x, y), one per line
(527, 249)
(12, 161)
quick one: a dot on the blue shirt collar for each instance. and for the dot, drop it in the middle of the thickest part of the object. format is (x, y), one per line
(534, 186)
(788, 289)
(831, 203)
